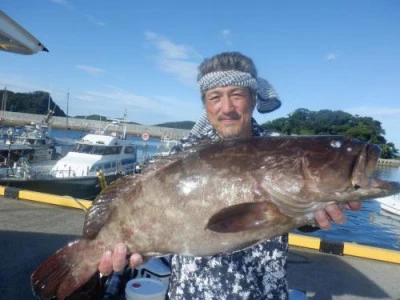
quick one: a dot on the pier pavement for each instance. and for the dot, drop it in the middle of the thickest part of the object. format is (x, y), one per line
(32, 231)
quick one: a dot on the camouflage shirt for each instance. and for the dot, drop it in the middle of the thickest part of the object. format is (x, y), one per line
(258, 272)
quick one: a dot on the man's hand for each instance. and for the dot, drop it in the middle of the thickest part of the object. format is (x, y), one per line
(333, 213)
(116, 260)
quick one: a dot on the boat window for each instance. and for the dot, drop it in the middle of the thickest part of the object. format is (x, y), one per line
(101, 166)
(83, 148)
(99, 150)
(113, 150)
(129, 149)
(127, 161)
(95, 167)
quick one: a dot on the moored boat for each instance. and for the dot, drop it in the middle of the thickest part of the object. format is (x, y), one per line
(30, 145)
(105, 152)
(390, 204)
(167, 147)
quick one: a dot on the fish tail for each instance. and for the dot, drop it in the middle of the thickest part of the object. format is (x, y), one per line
(63, 272)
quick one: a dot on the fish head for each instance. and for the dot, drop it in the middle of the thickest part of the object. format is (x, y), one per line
(321, 169)
(303, 168)
(293, 176)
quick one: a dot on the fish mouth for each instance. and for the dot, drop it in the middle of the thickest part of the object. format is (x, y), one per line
(364, 168)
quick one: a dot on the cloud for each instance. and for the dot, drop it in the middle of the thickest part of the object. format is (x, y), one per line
(89, 69)
(374, 111)
(179, 60)
(86, 16)
(226, 36)
(63, 3)
(111, 101)
(331, 56)
(18, 84)
(92, 19)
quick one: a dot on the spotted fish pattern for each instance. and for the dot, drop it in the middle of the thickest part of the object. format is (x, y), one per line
(254, 273)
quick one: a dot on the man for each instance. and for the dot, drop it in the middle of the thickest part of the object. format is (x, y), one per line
(230, 91)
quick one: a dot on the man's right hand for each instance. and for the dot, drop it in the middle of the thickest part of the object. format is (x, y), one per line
(116, 260)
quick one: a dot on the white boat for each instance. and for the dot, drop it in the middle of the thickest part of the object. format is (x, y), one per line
(108, 151)
(167, 147)
(77, 173)
(390, 204)
(30, 144)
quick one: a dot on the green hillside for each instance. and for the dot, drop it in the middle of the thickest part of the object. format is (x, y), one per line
(33, 103)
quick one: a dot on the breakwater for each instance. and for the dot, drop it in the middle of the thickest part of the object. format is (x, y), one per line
(389, 162)
(18, 119)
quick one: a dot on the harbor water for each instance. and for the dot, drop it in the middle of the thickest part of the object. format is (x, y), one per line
(370, 226)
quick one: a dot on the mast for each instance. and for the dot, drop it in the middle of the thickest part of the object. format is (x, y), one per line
(67, 110)
(3, 104)
(48, 102)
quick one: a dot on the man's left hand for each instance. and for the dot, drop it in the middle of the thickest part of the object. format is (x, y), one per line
(334, 213)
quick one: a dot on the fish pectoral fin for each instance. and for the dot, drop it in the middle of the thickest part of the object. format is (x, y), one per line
(241, 217)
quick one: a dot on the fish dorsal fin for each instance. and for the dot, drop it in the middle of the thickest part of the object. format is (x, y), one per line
(105, 204)
(244, 216)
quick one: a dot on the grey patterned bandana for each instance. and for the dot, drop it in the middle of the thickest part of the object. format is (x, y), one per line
(267, 98)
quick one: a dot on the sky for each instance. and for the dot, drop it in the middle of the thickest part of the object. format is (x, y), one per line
(107, 57)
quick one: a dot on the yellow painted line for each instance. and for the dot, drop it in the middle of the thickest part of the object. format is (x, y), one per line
(2, 189)
(362, 251)
(304, 241)
(372, 252)
(54, 199)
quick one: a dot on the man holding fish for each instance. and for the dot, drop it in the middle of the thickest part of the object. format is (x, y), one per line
(230, 90)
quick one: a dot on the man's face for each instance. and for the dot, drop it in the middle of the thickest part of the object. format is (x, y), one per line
(229, 110)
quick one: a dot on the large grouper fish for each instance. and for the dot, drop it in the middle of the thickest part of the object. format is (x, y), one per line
(213, 198)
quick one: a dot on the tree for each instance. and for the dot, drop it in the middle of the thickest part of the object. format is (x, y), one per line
(33, 103)
(305, 122)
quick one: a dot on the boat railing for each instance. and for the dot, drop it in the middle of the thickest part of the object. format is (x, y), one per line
(23, 172)
(69, 172)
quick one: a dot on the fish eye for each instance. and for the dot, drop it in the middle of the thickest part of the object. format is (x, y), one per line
(336, 144)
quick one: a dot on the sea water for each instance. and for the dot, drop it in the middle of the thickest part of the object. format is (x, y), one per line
(370, 226)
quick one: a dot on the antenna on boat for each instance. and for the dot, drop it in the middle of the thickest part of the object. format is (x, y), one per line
(124, 121)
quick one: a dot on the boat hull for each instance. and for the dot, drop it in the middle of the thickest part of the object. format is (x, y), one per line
(87, 187)
(390, 204)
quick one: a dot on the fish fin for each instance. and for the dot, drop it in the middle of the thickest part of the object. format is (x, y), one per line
(90, 290)
(104, 205)
(60, 275)
(244, 216)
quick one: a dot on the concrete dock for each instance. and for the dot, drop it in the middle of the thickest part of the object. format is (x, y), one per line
(31, 231)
